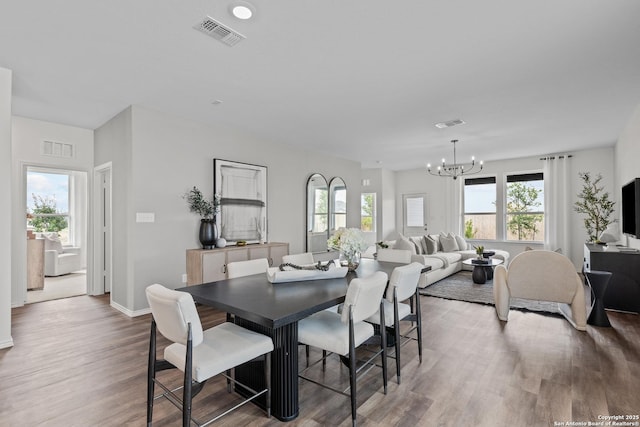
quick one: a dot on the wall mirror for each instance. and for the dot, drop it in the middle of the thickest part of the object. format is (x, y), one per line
(317, 213)
(337, 204)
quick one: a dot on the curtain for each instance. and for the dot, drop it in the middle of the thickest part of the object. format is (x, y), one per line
(557, 203)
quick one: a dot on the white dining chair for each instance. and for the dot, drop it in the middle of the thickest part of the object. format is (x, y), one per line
(247, 268)
(341, 333)
(394, 255)
(403, 286)
(199, 354)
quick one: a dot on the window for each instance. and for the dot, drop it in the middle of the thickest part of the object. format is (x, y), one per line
(321, 216)
(525, 207)
(368, 212)
(339, 207)
(480, 208)
(48, 203)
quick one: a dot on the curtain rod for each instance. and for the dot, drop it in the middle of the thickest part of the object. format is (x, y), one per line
(553, 157)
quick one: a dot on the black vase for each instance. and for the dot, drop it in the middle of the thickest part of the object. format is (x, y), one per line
(208, 233)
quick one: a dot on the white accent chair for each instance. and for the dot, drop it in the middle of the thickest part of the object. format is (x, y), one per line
(341, 333)
(59, 259)
(199, 354)
(394, 255)
(299, 259)
(403, 286)
(247, 268)
(542, 276)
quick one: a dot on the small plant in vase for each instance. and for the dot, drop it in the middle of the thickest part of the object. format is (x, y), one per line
(350, 242)
(207, 209)
(479, 251)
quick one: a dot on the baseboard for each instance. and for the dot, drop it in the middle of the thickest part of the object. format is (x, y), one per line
(128, 312)
(6, 344)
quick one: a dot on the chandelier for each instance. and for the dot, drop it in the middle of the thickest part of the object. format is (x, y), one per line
(455, 170)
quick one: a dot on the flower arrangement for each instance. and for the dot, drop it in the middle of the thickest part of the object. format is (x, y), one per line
(349, 241)
(479, 250)
(207, 209)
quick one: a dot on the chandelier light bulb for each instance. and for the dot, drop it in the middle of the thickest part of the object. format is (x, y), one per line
(455, 170)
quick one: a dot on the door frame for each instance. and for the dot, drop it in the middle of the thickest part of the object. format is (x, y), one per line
(102, 250)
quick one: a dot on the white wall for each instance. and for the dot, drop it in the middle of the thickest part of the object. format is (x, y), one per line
(161, 157)
(627, 153)
(441, 194)
(26, 139)
(5, 214)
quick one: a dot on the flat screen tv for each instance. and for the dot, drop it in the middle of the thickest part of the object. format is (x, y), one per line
(631, 208)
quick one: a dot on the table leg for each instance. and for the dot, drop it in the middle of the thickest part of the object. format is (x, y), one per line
(284, 370)
(479, 275)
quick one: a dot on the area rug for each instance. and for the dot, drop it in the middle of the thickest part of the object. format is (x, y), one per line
(460, 287)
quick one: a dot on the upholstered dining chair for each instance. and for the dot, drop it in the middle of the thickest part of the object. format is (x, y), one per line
(403, 286)
(394, 255)
(341, 333)
(247, 268)
(305, 258)
(199, 354)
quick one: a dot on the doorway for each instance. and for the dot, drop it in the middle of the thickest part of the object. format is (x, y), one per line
(56, 201)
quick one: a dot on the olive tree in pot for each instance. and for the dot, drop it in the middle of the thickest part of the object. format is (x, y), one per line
(207, 209)
(594, 202)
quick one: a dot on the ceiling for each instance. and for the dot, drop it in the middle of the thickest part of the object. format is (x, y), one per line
(361, 79)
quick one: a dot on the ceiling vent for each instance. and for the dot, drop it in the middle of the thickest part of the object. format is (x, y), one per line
(449, 124)
(218, 31)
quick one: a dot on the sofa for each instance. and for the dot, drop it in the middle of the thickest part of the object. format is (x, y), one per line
(443, 252)
(60, 259)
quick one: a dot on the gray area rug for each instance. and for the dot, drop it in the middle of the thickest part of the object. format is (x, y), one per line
(460, 287)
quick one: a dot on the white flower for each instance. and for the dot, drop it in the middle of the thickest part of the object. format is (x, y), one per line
(349, 241)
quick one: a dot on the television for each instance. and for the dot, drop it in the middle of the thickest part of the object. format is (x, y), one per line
(631, 208)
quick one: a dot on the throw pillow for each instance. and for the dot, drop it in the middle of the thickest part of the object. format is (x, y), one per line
(52, 242)
(432, 245)
(404, 243)
(417, 243)
(462, 244)
(436, 237)
(449, 243)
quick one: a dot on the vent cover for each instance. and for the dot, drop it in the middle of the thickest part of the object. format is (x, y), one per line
(449, 124)
(57, 149)
(218, 31)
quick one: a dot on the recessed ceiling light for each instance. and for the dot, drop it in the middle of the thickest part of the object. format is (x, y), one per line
(242, 10)
(450, 123)
(216, 102)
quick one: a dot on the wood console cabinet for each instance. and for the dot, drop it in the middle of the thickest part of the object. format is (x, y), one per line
(623, 291)
(210, 265)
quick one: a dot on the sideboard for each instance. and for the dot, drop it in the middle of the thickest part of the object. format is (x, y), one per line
(210, 265)
(623, 290)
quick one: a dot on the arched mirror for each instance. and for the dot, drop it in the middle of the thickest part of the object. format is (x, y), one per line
(337, 204)
(317, 213)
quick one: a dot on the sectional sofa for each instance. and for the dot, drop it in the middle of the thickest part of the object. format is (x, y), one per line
(444, 253)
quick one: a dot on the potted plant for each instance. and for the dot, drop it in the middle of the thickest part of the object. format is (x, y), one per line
(595, 204)
(207, 209)
(479, 251)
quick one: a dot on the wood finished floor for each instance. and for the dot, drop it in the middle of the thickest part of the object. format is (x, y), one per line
(78, 362)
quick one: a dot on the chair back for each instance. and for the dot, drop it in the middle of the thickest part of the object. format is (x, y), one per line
(543, 275)
(394, 255)
(299, 259)
(173, 311)
(405, 281)
(364, 296)
(247, 268)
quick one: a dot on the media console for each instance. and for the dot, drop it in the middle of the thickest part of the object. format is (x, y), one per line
(623, 291)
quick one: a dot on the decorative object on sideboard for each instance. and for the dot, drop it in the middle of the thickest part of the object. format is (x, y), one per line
(455, 170)
(221, 242)
(207, 209)
(594, 202)
(243, 201)
(350, 242)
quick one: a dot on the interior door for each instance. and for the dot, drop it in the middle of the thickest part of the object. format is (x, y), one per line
(103, 255)
(414, 215)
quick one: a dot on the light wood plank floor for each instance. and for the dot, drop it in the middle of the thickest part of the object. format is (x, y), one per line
(78, 362)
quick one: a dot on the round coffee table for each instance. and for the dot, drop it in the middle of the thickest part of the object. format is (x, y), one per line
(482, 272)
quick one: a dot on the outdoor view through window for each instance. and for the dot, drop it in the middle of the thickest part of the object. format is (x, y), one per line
(48, 203)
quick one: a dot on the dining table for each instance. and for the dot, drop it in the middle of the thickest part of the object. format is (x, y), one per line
(274, 309)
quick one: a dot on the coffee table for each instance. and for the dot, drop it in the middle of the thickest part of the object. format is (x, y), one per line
(482, 272)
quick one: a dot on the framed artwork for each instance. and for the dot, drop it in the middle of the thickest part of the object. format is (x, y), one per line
(243, 200)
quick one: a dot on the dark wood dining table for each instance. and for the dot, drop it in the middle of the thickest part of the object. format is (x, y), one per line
(274, 309)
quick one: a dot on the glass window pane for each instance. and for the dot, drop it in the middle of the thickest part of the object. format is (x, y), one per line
(480, 208)
(525, 207)
(368, 212)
